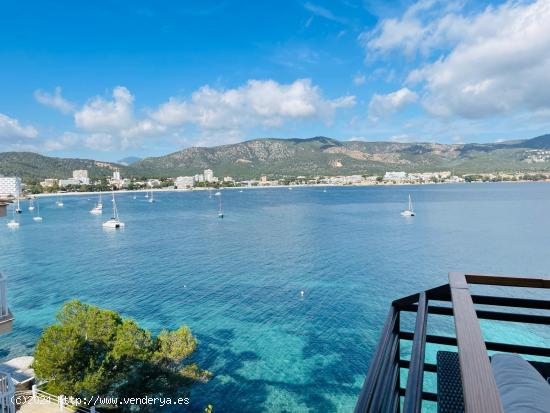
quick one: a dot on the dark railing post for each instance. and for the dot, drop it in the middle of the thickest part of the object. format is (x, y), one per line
(372, 381)
(413, 394)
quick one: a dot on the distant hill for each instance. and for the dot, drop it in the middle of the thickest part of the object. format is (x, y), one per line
(308, 157)
(327, 156)
(129, 160)
(32, 166)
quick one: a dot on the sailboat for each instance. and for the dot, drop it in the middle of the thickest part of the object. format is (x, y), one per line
(59, 201)
(31, 205)
(13, 223)
(18, 207)
(152, 199)
(409, 212)
(220, 210)
(37, 217)
(98, 209)
(146, 194)
(114, 222)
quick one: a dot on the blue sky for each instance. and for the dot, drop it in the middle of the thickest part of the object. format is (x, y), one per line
(111, 79)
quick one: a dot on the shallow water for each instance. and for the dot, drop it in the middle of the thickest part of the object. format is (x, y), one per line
(236, 282)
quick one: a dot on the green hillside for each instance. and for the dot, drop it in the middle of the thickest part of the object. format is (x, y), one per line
(308, 157)
(32, 166)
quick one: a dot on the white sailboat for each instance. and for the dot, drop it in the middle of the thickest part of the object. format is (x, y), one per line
(114, 222)
(13, 223)
(146, 194)
(152, 198)
(59, 201)
(18, 207)
(409, 212)
(220, 210)
(37, 217)
(98, 209)
(31, 205)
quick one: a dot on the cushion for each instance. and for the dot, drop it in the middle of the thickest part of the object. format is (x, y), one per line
(522, 389)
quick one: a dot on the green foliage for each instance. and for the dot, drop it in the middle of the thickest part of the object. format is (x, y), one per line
(279, 158)
(92, 351)
(32, 166)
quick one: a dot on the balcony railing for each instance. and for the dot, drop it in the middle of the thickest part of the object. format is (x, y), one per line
(474, 383)
(6, 318)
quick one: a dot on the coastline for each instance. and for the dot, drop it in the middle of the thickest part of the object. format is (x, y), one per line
(123, 191)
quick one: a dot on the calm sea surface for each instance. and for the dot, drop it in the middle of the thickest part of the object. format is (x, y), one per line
(236, 282)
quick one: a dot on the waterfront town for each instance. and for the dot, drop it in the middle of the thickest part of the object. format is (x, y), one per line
(81, 181)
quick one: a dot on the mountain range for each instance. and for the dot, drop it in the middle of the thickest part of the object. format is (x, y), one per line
(308, 157)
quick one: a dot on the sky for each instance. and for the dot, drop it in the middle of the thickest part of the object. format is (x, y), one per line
(110, 79)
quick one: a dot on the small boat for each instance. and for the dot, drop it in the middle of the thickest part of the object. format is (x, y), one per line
(241, 190)
(324, 190)
(98, 209)
(31, 205)
(114, 222)
(18, 207)
(147, 194)
(59, 201)
(152, 198)
(220, 209)
(13, 223)
(135, 197)
(409, 212)
(37, 217)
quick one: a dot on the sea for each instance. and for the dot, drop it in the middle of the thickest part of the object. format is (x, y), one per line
(287, 294)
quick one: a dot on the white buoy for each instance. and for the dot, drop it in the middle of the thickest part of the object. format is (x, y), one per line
(302, 293)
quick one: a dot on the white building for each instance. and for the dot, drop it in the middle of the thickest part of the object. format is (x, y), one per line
(10, 185)
(82, 176)
(208, 175)
(69, 181)
(184, 182)
(228, 179)
(49, 182)
(116, 175)
(153, 183)
(80, 173)
(395, 176)
(199, 178)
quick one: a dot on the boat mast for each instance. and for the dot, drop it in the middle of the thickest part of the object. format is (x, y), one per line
(115, 212)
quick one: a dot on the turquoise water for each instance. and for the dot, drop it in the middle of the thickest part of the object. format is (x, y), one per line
(236, 282)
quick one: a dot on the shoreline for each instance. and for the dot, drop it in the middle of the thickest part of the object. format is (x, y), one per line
(124, 191)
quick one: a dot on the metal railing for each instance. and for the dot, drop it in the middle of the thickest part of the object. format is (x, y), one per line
(7, 391)
(382, 391)
(4, 310)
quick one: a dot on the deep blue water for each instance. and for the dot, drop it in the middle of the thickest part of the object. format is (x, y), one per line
(236, 282)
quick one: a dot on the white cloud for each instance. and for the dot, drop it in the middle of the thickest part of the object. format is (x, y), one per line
(55, 101)
(496, 61)
(213, 115)
(384, 105)
(257, 103)
(11, 130)
(104, 116)
(65, 141)
(324, 12)
(426, 25)
(501, 65)
(359, 79)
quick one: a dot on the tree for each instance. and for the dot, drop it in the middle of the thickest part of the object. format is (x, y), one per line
(93, 351)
